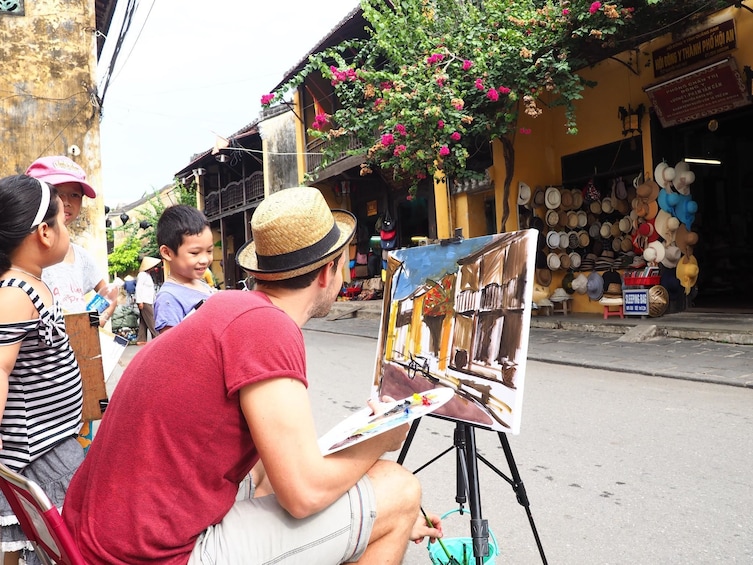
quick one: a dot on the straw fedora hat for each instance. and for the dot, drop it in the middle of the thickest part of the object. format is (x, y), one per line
(687, 272)
(538, 196)
(572, 219)
(149, 263)
(577, 198)
(580, 284)
(575, 260)
(552, 218)
(649, 190)
(294, 232)
(552, 198)
(543, 277)
(564, 261)
(553, 239)
(582, 218)
(606, 205)
(566, 197)
(553, 261)
(685, 239)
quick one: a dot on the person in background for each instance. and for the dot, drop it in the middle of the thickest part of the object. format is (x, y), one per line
(40, 382)
(229, 388)
(187, 249)
(77, 275)
(144, 297)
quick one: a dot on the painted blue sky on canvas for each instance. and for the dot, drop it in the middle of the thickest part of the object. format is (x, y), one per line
(431, 262)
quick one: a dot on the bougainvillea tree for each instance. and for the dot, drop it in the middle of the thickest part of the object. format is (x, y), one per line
(436, 79)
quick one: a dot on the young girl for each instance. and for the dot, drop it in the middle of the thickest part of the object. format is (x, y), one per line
(40, 382)
(187, 249)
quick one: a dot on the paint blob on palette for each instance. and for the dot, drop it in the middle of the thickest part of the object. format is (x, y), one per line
(364, 424)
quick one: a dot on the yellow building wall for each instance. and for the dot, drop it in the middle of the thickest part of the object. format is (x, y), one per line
(538, 154)
(47, 83)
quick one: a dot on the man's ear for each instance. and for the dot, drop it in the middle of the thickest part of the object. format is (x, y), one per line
(325, 274)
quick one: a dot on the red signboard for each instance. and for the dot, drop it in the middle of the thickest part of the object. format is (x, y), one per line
(710, 90)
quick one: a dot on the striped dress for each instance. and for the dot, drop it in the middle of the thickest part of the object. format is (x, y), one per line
(45, 394)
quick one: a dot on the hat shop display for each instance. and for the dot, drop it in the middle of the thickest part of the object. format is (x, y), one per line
(687, 272)
(552, 198)
(580, 284)
(538, 197)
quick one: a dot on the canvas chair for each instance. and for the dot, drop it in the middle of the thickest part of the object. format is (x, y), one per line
(39, 519)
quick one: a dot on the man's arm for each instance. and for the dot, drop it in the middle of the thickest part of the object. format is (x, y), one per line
(279, 416)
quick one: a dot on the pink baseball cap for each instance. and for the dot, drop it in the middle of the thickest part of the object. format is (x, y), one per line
(59, 169)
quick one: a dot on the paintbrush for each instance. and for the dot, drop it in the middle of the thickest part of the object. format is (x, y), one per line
(450, 557)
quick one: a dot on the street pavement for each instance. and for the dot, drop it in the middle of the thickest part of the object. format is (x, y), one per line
(689, 359)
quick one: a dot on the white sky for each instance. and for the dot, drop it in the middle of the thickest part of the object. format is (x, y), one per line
(190, 70)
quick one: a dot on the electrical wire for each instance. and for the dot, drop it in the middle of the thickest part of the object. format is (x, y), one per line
(124, 27)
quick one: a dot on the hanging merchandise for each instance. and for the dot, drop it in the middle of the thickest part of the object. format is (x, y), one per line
(388, 232)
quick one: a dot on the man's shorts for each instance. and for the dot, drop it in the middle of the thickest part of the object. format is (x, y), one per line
(260, 531)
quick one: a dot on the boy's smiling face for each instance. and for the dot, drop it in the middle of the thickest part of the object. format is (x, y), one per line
(194, 256)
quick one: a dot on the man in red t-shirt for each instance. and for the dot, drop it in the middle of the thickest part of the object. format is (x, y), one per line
(225, 391)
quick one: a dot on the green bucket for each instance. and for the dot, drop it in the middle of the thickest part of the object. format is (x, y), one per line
(461, 549)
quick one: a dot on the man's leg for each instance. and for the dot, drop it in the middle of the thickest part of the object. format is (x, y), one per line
(147, 314)
(398, 501)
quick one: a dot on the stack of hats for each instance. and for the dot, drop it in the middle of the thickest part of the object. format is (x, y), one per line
(612, 282)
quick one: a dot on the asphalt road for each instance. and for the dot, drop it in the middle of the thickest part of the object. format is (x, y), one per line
(619, 468)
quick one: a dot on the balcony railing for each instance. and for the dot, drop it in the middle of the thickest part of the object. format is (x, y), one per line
(235, 194)
(315, 148)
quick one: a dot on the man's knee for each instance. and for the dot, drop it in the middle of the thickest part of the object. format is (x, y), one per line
(394, 483)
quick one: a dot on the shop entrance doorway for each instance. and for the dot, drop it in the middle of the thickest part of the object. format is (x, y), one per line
(723, 189)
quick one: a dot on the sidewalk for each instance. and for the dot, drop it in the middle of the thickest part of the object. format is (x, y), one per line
(700, 347)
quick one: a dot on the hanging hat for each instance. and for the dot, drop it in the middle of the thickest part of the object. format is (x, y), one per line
(538, 197)
(294, 232)
(625, 224)
(649, 190)
(595, 207)
(577, 199)
(583, 238)
(605, 230)
(666, 225)
(664, 175)
(564, 261)
(672, 255)
(580, 284)
(567, 282)
(553, 239)
(582, 218)
(685, 240)
(572, 238)
(595, 286)
(626, 244)
(543, 277)
(552, 218)
(567, 199)
(564, 240)
(621, 206)
(552, 198)
(149, 263)
(572, 219)
(553, 261)
(611, 277)
(655, 252)
(594, 229)
(524, 194)
(575, 261)
(687, 272)
(620, 190)
(606, 205)
(615, 230)
(613, 289)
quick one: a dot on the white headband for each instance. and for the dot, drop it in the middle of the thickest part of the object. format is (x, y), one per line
(44, 205)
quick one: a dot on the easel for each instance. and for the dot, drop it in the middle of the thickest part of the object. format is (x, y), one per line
(467, 483)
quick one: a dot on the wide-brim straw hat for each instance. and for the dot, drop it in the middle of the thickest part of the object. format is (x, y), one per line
(649, 190)
(666, 225)
(672, 255)
(552, 198)
(685, 239)
(595, 286)
(687, 272)
(149, 263)
(294, 232)
(654, 252)
(664, 174)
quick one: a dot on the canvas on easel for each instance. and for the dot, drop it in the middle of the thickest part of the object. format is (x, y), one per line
(83, 330)
(457, 314)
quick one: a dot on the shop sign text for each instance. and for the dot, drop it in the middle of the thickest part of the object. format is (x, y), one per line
(635, 302)
(698, 47)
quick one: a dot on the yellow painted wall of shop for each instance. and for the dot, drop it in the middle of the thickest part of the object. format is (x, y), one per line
(538, 154)
(48, 81)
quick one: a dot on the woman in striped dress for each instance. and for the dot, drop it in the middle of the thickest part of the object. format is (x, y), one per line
(40, 383)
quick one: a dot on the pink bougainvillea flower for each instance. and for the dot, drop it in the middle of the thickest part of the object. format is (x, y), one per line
(388, 139)
(594, 7)
(440, 81)
(525, 131)
(400, 128)
(565, 11)
(504, 90)
(467, 64)
(421, 175)
(492, 94)
(398, 150)
(444, 151)
(479, 84)
(455, 136)
(266, 99)
(440, 124)
(409, 197)
(385, 85)
(434, 58)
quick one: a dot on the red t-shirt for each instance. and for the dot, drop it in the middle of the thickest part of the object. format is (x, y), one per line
(173, 444)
